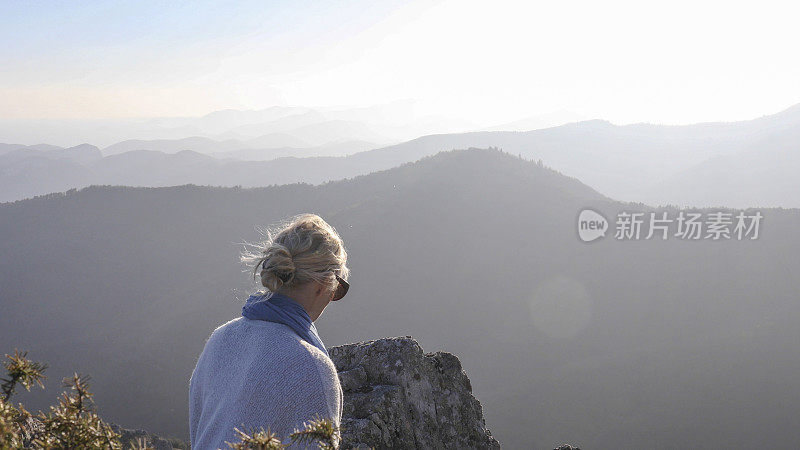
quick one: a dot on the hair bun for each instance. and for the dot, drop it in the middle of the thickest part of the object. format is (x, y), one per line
(285, 276)
(278, 267)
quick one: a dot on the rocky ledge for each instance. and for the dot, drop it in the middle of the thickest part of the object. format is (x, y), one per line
(397, 396)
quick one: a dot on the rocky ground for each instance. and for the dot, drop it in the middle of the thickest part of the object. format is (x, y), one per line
(397, 396)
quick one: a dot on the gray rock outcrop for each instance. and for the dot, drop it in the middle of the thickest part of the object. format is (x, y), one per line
(397, 396)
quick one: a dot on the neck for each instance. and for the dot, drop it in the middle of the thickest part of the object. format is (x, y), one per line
(303, 299)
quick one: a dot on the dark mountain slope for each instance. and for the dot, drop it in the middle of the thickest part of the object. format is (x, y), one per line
(609, 345)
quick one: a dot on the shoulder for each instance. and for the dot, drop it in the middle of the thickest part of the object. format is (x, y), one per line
(277, 339)
(320, 362)
(251, 332)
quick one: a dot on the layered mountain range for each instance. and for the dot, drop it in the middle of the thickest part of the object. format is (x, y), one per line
(610, 344)
(737, 164)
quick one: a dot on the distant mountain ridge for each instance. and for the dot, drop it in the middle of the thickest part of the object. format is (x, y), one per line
(645, 163)
(83, 153)
(383, 124)
(6, 148)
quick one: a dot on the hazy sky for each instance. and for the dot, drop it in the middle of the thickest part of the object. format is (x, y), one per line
(487, 62)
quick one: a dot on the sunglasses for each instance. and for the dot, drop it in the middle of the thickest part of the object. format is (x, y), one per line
(341, 290)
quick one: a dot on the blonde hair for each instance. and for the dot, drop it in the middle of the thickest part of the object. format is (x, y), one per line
(298, 251)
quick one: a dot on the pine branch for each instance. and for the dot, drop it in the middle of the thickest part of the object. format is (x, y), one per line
(256, 440)
(320, 431)
(22, 371)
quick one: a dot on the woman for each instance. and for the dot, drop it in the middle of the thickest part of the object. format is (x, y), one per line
(269, 368)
